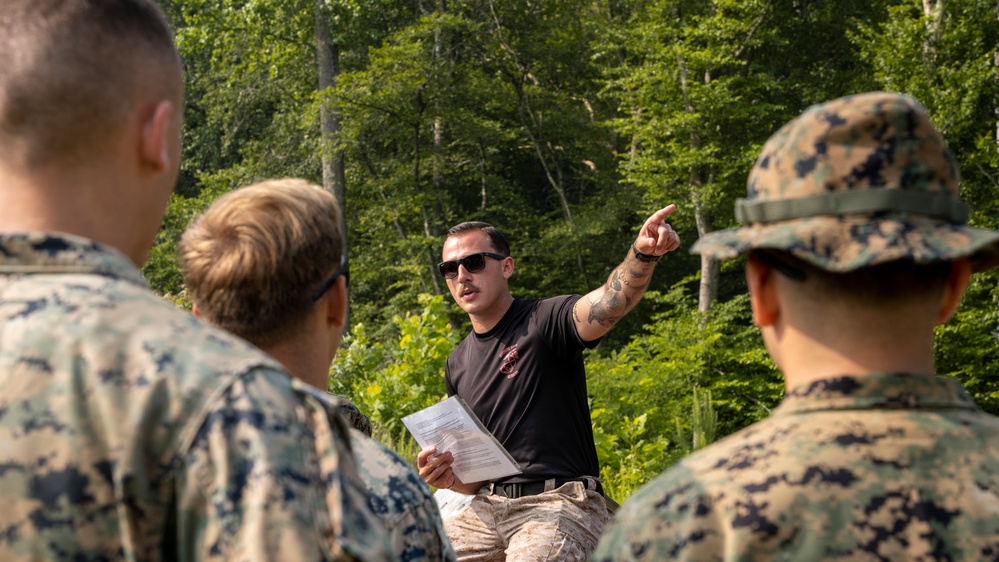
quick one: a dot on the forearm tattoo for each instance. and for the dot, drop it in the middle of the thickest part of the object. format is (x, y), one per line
(625, 286)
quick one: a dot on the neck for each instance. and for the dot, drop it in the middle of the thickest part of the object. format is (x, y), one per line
(482, 323)
(804, 359)
(52, 202)
(304, 360)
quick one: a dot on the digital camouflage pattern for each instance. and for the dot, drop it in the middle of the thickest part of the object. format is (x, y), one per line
(404, 502)
(880, 467)
(350, 412)
(130, 430)
(855, 182)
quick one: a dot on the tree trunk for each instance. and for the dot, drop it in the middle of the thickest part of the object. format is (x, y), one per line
(933, 11)
(431, 222)
(484, 193)
(334, 179)
(710, 267)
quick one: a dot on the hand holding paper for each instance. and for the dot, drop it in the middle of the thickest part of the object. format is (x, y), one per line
(451, 426)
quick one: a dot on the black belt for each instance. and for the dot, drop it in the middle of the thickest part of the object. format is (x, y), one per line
(514, 491)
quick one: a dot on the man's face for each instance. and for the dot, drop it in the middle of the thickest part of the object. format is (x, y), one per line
(476, 293)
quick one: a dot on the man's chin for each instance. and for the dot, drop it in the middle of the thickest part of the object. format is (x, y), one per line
(470, 307)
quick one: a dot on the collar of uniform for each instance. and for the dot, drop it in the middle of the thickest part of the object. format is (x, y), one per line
(48, 253)
(882, 391)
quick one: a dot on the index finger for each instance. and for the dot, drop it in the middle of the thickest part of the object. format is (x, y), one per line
(661, 214)
(651, 226)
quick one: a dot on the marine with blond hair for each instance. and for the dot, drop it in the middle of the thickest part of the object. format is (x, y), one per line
(267, 263)
(130, 430)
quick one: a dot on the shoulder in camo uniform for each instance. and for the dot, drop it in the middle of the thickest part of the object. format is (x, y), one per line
(120, 439)
(128, 429)
(880, 466)
(350, 412)
(404, 502)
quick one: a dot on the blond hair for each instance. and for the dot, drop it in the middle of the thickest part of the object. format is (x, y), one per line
(255, 259)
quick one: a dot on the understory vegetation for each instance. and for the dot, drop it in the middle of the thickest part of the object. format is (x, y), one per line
(565, 123)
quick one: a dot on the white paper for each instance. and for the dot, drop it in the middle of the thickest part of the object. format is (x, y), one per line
(451, 425)
(451, 503)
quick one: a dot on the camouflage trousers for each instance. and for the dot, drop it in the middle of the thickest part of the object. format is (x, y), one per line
(562, 524)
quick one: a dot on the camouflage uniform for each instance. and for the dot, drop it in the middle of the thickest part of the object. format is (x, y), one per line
(856, 182)
(352, 414)
(404, 502)
(874, 467)
(886, 467)
(131, 430)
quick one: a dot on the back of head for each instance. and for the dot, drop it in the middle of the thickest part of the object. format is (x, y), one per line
(892, 287)
(71, 71)
(255, 259)
(857, 183)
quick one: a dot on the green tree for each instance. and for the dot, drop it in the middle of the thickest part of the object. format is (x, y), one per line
(702, 83)
(688, 379)
(944, 55)
(388, 381)
(482, 111)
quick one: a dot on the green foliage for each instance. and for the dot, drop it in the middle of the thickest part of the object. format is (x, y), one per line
(162, 269)
(565, 123)
(388, 382)
(629, 454)
(688, 377)
(967, 347)
(704, 421)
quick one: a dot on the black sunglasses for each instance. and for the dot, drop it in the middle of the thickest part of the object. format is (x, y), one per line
(473, 263)
(785, 268)
(342, 270)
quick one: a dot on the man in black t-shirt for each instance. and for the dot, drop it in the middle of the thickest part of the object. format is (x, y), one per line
(521, 371)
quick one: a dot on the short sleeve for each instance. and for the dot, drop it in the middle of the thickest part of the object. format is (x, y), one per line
(554, 320)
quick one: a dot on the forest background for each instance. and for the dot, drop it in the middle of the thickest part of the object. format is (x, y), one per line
(565, 123)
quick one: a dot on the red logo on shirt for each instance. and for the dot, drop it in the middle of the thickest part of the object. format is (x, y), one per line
(508, 361)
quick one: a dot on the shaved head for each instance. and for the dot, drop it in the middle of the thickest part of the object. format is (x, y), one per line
(73, 71)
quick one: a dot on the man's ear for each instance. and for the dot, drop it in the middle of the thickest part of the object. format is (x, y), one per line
(507, 265)
(957, 282)
(762, 292)
(155, 139)
(336, 303)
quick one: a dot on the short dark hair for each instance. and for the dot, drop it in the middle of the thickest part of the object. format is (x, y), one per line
(71, 71)
(884, 284)
(496, 237)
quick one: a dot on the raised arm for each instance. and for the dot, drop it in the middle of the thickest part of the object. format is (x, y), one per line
(597, 312)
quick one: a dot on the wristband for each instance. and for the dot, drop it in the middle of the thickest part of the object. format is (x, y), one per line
(645, 258)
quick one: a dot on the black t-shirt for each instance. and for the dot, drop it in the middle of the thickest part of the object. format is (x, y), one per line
(525, 380)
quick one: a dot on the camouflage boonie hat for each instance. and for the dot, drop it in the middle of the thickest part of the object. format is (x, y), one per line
(855, 182)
